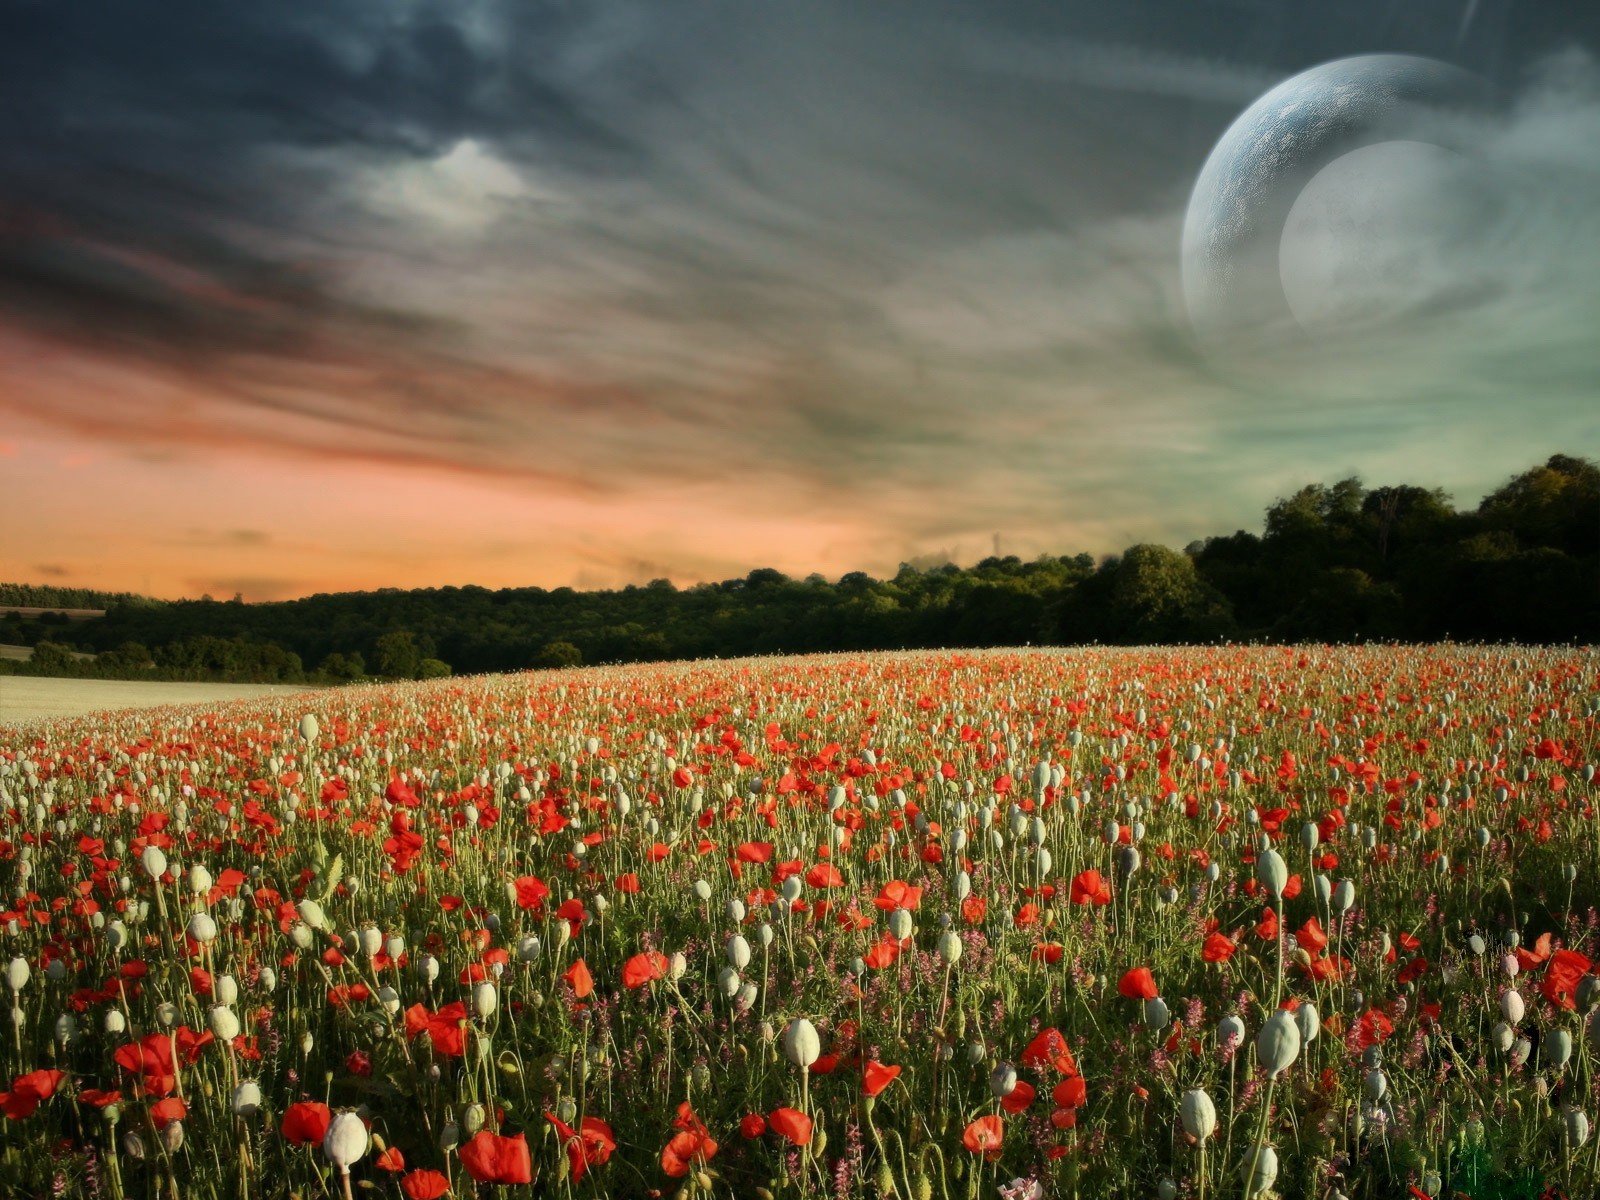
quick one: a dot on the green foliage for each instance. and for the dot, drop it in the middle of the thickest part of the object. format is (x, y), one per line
(1334, 563)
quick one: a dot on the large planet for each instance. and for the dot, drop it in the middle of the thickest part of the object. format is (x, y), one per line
(1332, 196)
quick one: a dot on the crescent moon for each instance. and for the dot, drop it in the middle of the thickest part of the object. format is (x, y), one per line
(1236, 215)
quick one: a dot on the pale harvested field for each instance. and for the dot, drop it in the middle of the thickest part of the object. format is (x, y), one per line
(24, 699)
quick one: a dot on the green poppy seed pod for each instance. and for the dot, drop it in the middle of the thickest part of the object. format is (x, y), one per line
(371, 940)
(300, 934)
(154, 862)
(1003, 1081)
(1156, 1013)
(738, 951)
(1273, 875)
(449, 1136)
(17, 974)
(485, 999)
(702, 890)
(199, 880)
(473, 1117)
(1259, 1170)
(527, 948)
(269, 979)
(394, 945)
(801, 1045)
(1278, 1043)
(746, 997)
(389, 998)
(309, 728)
(677, 965)
(133, 1146)
(66, 1029)
(700, 1075)
(1310, 836)
(1501, 1037)
(1310, 1022)
(1324, 887)
(1577, 1122)
(1511, 965)
(1476, 945)
(172, 1136)
(791, 889)
(307, 1040)
(115, 1022)
(167, 1014)
(900, 923)
(736, 910)
(1167, 1189)
(963, 885)
(728, 982)
(1512, 1006)
(1198, 1113)
(765, 934)
(247, 1099)
(1521, 1051)
(1556, 1048)
(202, 928)
(1375, 1086)
(428, 965)
(949, 947)
(1231, 1029)
(1588, 993)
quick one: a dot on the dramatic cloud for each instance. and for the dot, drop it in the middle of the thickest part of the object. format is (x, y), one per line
(714, 285)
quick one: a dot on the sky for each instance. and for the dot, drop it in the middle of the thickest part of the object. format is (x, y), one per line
(314, 297)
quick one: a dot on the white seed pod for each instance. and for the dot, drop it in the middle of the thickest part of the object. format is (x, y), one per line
(1375, 1085)
(1501, 1037)
(225, 989)
(1003, 1080)
(528, 947)
(702, 890)
(1577, 1123)
(1232, 1029)
(154, 862)
(311, 913)
(900, 924)
(247, 1098)
(949, 947)
(1278, 1043)
(1259, 1170)
(202, 928)
(1344, 896)
(269, 980)
(728, 982)
(677, 965)
(115, 1022)
(224, 1022)
(801, 1045)
(371, 939)
(1512, 1006)
(485, 999)
(199, 880)
(17, 974)
(1199, 1114)
(738, 951)
(1156, 1013)
(346, 1141)
(1555, 1048)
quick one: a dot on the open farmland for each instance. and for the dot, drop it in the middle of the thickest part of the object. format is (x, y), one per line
(28, 698)
(1198, 922)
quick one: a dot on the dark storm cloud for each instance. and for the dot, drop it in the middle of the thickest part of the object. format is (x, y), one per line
(921, 254)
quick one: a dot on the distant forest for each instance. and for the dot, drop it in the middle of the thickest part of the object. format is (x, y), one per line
(1333, 563)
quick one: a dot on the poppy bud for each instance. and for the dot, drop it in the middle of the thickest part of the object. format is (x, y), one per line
(1198, 1113)
(801, 1044)
(1273, 874)
(1577, 1122)
(1278, 1043)
(1556, 1048)
(346, 1141)
(1310, 1022)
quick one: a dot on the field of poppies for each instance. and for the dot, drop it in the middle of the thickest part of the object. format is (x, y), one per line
(1208, 922)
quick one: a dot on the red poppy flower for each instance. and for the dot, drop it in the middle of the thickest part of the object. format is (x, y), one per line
(305, 1123)
(1561, 977)
(1218, 948)
(984, 1136)
(1090, 887)
(752, 1125)
(391, 1160)
(875, 1076)
(28, 1092)
(590, 1145)
(644, 968)
(684, 1150)
(1138, 984)
(792, 1124)
(490, 1158)
(164, 1112)
(1018, 1098)
(445, 1028)
(424, 1185)
(579, 979)
(1071, 1092)
(1050, 1048)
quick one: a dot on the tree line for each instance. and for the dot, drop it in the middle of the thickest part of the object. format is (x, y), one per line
(1338, 562)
